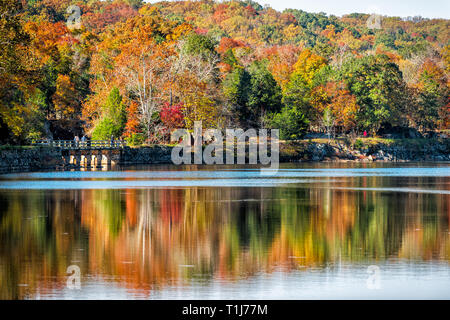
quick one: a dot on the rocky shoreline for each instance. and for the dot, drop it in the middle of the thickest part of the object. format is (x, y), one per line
(16, 159)
(404, 150)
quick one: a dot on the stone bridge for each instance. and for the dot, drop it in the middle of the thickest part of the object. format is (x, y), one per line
(88, 154)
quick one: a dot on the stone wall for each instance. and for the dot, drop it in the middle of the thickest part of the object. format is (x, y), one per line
(146, 155)
(28, 159)
(42, 158)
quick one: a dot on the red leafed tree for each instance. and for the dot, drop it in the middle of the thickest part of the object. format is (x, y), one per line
(172, 116)
(201, 31)
(108, 14)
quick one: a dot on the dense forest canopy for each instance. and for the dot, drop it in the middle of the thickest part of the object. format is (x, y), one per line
(137, 70)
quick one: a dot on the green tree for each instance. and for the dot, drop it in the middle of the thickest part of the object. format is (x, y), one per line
(236, 87)
(297, 93)
(265, 93)
(197, 44)
(252, 94)
(291, 122)
(379, 88)
(114, 118)
(269, 34)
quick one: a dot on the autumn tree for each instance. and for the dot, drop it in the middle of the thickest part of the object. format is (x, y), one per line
(172, 116)
(136, 56)
(432, 106)
(335, 106)
(297, 92)
(21, 103)
(140, 66)
(66, 98)
(197, 80)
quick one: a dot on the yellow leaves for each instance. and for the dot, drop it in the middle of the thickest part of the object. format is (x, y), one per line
(13, 117)
(197, 102)
(21, 116)
(308, 64)
(148, 10)
(180, 31)
(92, 106)
(446, 57)
(410, 70)
(280, 73)
(346, 38)
(200, 108)
(291, 32)
(319, 99)
(345, 107)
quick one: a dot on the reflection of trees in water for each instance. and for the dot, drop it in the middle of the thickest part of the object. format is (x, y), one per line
(151, 238)
(40, 236)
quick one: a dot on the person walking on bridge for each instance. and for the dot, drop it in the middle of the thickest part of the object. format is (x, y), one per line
(77, 140)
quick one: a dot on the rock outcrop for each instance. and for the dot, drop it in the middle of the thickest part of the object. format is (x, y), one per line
(398, 151)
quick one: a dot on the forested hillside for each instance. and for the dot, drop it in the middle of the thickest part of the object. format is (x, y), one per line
(137, 70)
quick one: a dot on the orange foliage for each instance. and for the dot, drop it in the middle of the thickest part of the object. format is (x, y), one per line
(132, 126)
(227, 44)
(65, 99)
(281, 61)
(339, 100)
(47, 39)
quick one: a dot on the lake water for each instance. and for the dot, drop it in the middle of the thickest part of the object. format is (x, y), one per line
(312, 231)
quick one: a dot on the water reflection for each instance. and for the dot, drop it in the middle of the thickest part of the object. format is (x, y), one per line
(146, 240)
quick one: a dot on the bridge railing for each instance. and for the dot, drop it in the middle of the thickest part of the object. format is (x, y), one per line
(91, 144)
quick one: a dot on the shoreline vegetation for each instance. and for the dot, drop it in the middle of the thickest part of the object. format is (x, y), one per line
(35, 158)
(132, 70)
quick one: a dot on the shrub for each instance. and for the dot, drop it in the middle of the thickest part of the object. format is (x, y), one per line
(292, 123)
(135, 139)
(358, 144)
(113, 119)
